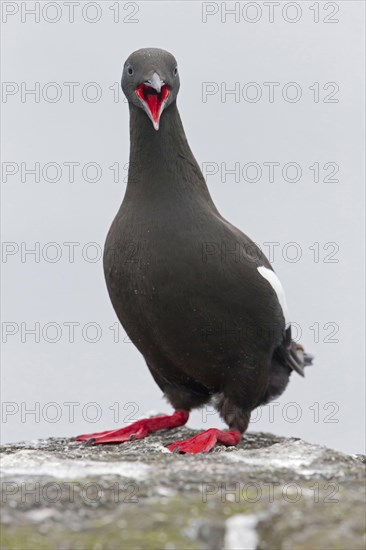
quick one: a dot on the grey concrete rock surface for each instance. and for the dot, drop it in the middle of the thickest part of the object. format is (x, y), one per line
(268, 493)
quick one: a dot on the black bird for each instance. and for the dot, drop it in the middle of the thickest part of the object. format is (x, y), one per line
(195, 295)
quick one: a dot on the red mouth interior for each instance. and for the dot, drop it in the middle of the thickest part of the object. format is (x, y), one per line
(152, 98)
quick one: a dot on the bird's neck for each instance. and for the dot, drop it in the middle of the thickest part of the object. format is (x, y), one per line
(161, 162)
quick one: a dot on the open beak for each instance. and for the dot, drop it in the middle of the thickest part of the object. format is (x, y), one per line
(153, 95)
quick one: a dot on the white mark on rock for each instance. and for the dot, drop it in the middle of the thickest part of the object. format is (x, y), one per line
(241, 533)
(41, 514)
(303, 458)
(277, 287)
(40, 463)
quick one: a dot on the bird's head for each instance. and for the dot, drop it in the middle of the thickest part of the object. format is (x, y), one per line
(150, 81)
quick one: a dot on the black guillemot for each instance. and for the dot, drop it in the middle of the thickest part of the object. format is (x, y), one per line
(195, 295)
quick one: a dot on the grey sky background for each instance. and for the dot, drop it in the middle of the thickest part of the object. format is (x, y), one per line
(324, 287)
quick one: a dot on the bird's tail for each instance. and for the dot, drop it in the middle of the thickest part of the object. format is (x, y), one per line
(287, 357)
(295, 357)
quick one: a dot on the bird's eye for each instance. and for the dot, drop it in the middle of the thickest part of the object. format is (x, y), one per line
(175, 72)
(130, 71)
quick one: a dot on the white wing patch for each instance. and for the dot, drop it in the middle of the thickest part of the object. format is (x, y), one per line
(277, 287)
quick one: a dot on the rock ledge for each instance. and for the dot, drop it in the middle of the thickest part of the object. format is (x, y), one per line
(268, 493)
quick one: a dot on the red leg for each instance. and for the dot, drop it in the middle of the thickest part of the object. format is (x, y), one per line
(137, 430)
(205, 441)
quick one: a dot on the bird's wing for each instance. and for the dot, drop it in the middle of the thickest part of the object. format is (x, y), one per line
(288, 352)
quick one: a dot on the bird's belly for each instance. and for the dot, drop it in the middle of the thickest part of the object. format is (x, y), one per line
(180, 311)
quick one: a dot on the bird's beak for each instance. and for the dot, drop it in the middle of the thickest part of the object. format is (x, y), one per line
(153, 94)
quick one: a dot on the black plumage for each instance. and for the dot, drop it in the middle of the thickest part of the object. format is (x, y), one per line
(183, 281)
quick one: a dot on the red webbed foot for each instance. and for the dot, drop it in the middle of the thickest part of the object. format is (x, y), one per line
(137, 430)
(205, 441)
